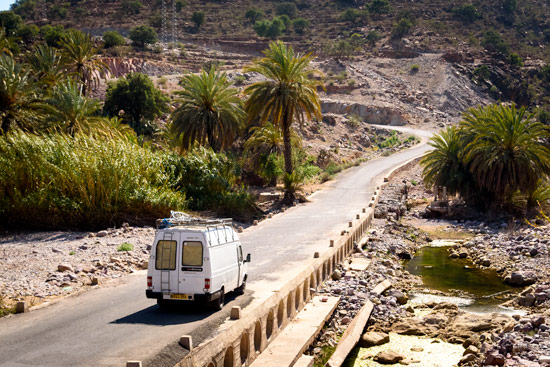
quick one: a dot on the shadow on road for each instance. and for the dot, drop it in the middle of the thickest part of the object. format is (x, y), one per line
(172, 315)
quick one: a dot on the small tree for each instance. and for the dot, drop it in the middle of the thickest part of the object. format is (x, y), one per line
(401, 29)
(10, 21)
(28, 32)
(354, 16)
(300, 25)
(253, 15)
(275, 29)
(198, 19)
(112, 39)
(373, 37)
(143, 35)
(379, 7)
(287, 9)
(179, 5)
(515, 60)
(52, 34)
(137, 96)
(492, 41)
(467, 13)
(24, 8)
(131, 6)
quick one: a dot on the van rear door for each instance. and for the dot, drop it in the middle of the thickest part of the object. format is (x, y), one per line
(192, 269)
(166, 261)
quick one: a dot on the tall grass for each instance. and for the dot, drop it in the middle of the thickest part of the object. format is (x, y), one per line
(81, 182)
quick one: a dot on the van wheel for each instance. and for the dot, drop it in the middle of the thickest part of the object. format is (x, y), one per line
(217, 304)
(242, 288)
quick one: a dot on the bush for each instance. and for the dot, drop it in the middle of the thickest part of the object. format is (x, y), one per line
(515, 60)
(414, 68)
(271, 29)
(125, 247)
(354, 16)
(482, 73)
(143, 35)
(141, 102)
(26, 9)
(300, 25)
(28, 32)
(179, 5)
(10, 21)
(52, 34)
(82, 182)
(253, 15)
(288, 9)
(493, 42)
(401, 29)
(286, 22)
(198, 19)
(131, 6)
(467, 13)
(379, 7)
(112, 39)
(58, 11)
(373, 37)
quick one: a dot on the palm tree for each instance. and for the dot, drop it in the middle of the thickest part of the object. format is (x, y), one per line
(18, 103)
(46, 65)
(70, 111)
(443, 166)
(79, 55)
(210, 111)
(288, 94)
(505, 149)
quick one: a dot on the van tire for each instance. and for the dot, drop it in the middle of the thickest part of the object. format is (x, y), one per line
(218, 303)
(242, 288)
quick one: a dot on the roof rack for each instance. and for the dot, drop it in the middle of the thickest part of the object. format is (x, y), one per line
(184, 219)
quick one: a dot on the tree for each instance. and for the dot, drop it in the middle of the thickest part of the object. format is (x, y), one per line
(69, 110)
(379, 7)
(373, 37)
(45, 63)
(131, 6)
(179, 5)
(505, 149)
(198, 19)
(443, 166)
(24, 8)
(354, 16)
(80, 57)
(139, 100)
(288, 9)
(10, 21)
(493, 42)
(401, 29)
(253, 15)
(52, 34)
(112, 39)
(28, 32)
(467, 13)
(210, 111)
(143, 35)
(18, 103)
(288, 94)
(300, 25)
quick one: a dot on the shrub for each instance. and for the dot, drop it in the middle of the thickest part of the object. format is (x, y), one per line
(401, 29)
(10, 21)
(198, 19)
(286, 22)
(125, 247)
(271, 29)
(414, 68)
(300, 25)
(143, 35)
(26, 9)
(287, 8)
(52, 34)
(515, 60)
(354, 16)
(379, 7)
(373, 37)
(493, 42)
(253, 15)
(28, 32)
(82, 182)
(131, 6)
(112, 39)
(137, 96)
(179, 5)
(482, 73)
(467, 13)
(58, 11)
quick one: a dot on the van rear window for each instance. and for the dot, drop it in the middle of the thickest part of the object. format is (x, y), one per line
(166, 255)
(192, 253)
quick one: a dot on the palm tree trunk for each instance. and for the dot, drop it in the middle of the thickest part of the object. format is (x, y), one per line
(289, 194)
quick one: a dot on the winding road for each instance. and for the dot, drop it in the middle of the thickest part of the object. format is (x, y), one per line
(110, 325)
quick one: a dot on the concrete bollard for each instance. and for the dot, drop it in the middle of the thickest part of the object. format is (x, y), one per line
(186, 341)
(235, 313)
(371, 204)
(357, 216)
(315, 255)
(364, 210)
(133, 364)
(350, 224)
(331, 243)
(21, 307)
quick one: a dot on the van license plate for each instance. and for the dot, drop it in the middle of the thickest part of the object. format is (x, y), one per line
(180, 296)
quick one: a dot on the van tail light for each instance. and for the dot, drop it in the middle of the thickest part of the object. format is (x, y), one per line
(149, 281)
(207, 284)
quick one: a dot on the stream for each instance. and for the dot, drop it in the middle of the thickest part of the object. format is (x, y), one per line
(463, 283)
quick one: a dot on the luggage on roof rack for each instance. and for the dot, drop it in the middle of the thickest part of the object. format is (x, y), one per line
(181, 218)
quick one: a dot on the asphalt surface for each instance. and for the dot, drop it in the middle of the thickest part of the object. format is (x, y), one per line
(111, 325)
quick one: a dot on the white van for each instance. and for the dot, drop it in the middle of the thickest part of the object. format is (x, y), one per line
(195, 260)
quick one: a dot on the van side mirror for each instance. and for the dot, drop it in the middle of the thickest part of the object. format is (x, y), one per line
(247, 258)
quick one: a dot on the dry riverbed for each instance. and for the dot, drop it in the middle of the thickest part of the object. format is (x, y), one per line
(404, 327)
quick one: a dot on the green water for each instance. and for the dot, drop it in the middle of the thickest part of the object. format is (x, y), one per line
(467, 285)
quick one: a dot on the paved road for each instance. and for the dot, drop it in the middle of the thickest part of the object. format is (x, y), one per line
(108, 326)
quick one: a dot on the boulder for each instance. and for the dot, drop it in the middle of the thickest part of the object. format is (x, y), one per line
(436, 319)
(466, 359)
(522, 278)
(400, 296)
(372, 338)
(65, 267)
(527, 300)
(102, 233)
(388, 357)
(494, 359)
(336, 275)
